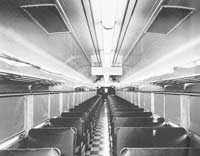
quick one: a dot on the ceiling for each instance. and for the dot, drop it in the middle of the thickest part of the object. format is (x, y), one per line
(155, 51)
(76, 45)
(23, 38)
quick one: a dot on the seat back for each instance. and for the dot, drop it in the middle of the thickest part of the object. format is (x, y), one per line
(78, 123)
(123, 106)
(62, 138)
(137, 122)
(30, 152)
(160, 152)
(72, 114)
(132, 114)
(127, 109)
(135, 137)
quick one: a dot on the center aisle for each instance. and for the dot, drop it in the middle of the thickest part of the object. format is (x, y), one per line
(100, 143)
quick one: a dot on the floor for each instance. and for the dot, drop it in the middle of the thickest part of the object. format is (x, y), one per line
(100, 143)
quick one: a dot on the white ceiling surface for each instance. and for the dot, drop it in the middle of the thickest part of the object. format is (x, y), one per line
(147, 54)
(117, 12)
(153, 54)
(75, 14)
(21, 38)
(138, 20)
(157, 54)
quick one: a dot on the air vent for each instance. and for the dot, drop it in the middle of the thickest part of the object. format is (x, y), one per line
(169, 18)
(47, 16)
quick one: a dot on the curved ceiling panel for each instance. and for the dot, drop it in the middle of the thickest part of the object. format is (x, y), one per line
(155, 51)
(137, 23)
(22, 38)
(75, 13)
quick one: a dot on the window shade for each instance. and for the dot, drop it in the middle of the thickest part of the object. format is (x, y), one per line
(71, 100)
(136, 98)
(40, 108)
(142, 104)
(11, 116)
(194, 114)
(173, 108)
(65, 102)
(159, 104)
(147, 101)
(54, 105)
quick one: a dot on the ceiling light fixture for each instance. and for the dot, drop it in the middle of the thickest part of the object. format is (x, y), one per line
(108, 13)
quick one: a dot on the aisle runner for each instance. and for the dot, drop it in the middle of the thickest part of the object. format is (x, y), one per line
(100, 145)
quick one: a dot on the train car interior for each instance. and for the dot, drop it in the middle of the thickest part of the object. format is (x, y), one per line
(99, 78)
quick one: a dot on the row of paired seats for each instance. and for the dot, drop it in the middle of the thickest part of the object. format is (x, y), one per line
(66, 135)
(139, 133)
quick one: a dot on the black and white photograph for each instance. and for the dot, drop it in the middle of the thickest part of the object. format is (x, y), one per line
(99, 77)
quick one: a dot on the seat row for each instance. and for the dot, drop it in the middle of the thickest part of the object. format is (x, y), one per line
(138, 133)
(66, 135)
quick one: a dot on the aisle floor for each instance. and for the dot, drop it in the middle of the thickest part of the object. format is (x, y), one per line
(100, 143)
